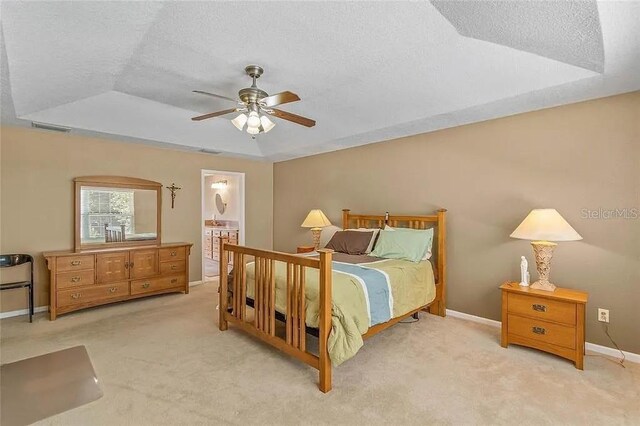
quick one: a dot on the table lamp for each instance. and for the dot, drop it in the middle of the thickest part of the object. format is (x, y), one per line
(316, 220)
(542, 226)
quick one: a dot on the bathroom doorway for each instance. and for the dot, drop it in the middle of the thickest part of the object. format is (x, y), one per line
(223, 214)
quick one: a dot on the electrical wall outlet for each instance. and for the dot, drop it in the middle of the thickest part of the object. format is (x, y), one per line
(603, 315)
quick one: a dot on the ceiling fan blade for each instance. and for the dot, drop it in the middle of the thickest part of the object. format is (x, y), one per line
(298, 119)
(215, 96)
(279, 99)
(213, 114)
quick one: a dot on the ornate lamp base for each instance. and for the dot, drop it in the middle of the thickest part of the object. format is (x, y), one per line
(543, 285)
(543, 251)
(316, 237)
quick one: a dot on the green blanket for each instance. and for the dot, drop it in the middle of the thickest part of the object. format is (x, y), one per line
(412, 286)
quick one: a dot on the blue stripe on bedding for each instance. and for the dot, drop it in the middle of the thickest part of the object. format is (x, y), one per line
(376, 287)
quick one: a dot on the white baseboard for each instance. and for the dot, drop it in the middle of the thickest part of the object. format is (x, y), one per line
(46, 307)
(604, 350)
(23, 312)
(473, 318)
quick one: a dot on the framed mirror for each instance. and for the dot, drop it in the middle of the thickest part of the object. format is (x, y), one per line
(221, 206)
(115, 211)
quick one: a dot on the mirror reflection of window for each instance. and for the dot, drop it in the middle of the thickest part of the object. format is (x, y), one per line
(112, 208)
(105, 206)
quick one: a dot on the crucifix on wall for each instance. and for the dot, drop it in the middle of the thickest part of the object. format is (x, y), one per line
(173, 188)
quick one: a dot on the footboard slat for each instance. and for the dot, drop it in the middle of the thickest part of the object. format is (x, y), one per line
(289, 319)
(266, 320)
(272, 298)
(265, 299)
(296, 332)
(258, 293)
(236, 288)
(243, 285)
(302, 327)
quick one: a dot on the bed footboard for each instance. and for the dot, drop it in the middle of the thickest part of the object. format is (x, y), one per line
(260, 321)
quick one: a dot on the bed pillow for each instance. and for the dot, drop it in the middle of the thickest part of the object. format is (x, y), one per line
(373, 237)
(350, 242)
(327, 233)
(428, 233)
(400, 245)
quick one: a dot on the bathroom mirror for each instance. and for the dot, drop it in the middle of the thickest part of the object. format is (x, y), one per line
(116, 211)
(221, 206)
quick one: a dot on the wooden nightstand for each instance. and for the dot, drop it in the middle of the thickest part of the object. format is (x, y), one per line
(550, 321)
(305, 249)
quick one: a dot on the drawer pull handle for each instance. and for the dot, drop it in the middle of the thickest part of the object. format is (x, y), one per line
(173, 267)
(75, 295)
(113, 289)
(75, 279)
(76, 262)
(539, 308)
(145, 285)
(174, 253)
(173, 281)
(538, 330)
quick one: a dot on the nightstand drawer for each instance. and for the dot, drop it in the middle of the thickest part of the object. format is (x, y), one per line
(543, 331)
(542, 308)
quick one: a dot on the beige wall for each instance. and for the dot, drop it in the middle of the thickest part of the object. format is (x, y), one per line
(37, 168)
(490, 175)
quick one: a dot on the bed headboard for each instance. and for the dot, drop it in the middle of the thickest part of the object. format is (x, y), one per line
(436, 221)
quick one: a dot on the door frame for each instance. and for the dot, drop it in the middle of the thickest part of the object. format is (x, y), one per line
(241, 219)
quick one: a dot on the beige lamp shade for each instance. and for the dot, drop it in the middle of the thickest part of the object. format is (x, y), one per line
(545, 225)
(315, 219)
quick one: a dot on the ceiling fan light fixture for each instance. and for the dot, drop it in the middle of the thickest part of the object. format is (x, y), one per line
(240, 121)
(266, 123)
(253, 120)
(253, 103)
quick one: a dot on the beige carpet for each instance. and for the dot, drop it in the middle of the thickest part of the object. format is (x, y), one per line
(163, 361)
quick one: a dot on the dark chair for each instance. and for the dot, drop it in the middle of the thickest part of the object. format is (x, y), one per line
(10, 260)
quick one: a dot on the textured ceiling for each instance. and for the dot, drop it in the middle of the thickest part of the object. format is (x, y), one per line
(567, 31)
(127, 69)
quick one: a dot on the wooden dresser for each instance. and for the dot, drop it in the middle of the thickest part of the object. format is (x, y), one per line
(552, 321)
(82, 279)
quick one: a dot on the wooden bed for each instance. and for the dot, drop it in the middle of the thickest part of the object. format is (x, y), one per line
(262, 324)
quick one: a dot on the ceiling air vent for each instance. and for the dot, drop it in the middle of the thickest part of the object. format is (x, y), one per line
(52, 127)
(210, 151)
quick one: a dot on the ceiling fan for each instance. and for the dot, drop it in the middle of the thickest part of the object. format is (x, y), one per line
(255, 104)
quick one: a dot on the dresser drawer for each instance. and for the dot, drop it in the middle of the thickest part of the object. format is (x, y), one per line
(545, 309)
(170, 254)
(96, 293)
(156, 284)
(74, 263)
(173, 267)
(543, 331)
(75, 279)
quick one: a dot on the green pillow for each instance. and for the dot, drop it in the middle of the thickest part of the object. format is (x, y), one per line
(401, 245)
(427, 233)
